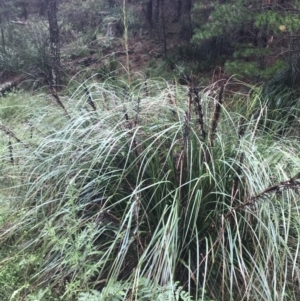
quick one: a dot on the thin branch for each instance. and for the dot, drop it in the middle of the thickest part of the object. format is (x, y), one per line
(59, 102)
(292, 183)
(11, 134)
(89, 98)
(10, 150)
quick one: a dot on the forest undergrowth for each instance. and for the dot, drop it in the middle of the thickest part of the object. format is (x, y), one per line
(149, 191)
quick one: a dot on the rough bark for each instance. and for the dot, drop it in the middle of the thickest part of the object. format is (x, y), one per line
(54, 43)
(163, 24)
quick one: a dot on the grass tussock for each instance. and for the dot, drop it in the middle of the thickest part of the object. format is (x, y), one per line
(153, 185)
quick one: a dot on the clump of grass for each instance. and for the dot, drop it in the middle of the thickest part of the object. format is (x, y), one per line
(128, 194)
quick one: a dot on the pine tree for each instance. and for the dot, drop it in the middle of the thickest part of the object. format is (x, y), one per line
(255, 30)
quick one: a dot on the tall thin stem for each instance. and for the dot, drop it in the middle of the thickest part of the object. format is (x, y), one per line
(126, 39)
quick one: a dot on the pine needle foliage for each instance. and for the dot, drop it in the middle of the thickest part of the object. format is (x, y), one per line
(159, 185)
(260, 35)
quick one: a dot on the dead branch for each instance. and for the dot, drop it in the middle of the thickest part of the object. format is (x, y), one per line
(292, 183)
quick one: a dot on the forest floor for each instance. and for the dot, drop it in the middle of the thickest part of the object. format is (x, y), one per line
(104, 55)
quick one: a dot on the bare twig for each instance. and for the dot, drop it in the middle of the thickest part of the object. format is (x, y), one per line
(89, 98)
(10, 149)
(146, 89)
(11, 134)
(59, 102)
(292, 183)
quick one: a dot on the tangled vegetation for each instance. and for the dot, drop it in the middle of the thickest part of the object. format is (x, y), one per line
(149, 191)
(115, 185)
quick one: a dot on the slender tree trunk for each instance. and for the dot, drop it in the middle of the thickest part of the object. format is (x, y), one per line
(2, 38)
(163, 24)
(149, 13)
(54, 43)
(156, 14)
(186, 22)
(24, 10)
(2, 33)
(43, 7)
(178, 11)
(190, 18)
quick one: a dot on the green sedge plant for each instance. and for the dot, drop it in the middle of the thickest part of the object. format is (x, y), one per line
(156, 185)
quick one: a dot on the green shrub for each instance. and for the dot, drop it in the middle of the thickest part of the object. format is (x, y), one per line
(26, 47)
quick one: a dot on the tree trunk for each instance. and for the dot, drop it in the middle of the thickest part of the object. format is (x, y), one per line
(2, 37)
(178, 11)
(2, 33)
(186, 20)
(156, 14)
(54, 43)
(149, 13)
(24, 10)
(43, 7)
(163, 24)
